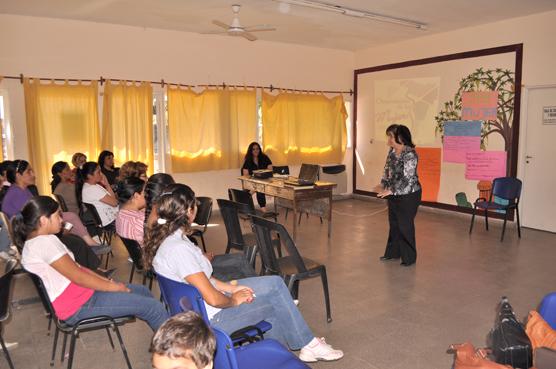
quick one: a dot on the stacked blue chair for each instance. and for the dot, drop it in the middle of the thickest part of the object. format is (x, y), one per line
(173, 291)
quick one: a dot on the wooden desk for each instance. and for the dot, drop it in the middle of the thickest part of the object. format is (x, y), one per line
(300, 198)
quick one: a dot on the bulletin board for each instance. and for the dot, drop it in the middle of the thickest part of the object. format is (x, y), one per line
(463, 112)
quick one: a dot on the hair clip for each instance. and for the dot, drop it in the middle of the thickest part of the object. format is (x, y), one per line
(161, 221)
(166, 193)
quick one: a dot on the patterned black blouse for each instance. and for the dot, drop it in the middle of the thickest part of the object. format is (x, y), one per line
(400, 173)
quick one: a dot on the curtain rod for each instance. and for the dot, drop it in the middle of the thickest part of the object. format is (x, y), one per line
(163, 83)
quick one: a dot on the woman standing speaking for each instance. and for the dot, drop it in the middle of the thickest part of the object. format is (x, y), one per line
(400, 185)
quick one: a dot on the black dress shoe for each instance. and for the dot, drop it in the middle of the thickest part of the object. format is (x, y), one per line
(403, 263)
(386, 258)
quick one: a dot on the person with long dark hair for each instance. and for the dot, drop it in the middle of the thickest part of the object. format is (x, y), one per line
(63, 184)
(76, 292)
(256, 159)
(92, 187)
(106, 164)
(130, 220)
(229, 306)
(400, 185)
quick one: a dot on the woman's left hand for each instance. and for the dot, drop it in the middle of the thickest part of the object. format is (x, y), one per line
(384, 193)
(239, 288)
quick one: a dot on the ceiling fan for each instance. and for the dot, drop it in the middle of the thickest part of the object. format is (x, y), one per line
(236, 29)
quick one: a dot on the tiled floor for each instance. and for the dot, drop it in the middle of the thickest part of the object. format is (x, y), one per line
(385, 316)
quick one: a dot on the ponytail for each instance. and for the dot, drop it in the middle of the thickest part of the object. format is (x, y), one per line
(24, 223)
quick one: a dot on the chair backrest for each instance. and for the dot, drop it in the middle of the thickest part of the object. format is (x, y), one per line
(229, 211)
(8, 224)
(225, 356)
(243, 197)
(5, 288)
(61, 201)
(461, 200)
(94, 213)
(263, 230)
(284, 169)
(508, 188)
(173, 291)
(134, 250)
(548, 309)
(41, 289)
(204, 211)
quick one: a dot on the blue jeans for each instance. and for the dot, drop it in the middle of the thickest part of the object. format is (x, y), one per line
(139, 302)
(272, 303)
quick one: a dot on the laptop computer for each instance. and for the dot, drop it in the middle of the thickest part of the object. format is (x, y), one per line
(307, 176)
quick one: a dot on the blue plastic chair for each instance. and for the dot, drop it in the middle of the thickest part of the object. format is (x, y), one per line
(547, 309)
(173, 291)
(507, 188)
(268, 354)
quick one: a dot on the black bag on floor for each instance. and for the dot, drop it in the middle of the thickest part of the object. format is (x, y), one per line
(508, 340)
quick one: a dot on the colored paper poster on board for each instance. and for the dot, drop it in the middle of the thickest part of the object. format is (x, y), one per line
(456, 147)
(485, 165)
(479, 105)
(462, 128)
(460, 137)
(428, 171)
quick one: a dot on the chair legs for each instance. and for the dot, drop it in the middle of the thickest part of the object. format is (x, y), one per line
(5, 350)
(132, 272)
(504, 225)
(54, 344)
(518, 224)
(203, 243)
(124, 351)
(472, 220)
(486, 219)
(326, 295)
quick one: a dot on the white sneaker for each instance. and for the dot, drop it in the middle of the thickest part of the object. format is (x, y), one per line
(318, 349)
(296, 302)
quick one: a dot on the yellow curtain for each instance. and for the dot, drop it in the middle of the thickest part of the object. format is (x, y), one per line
(127, 122)
(61, 120)
(303, 128)
(210, 130)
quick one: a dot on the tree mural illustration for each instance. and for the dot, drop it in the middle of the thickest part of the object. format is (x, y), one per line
(501, 80)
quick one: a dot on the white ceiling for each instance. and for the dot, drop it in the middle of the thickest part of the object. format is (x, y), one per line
(297, 24)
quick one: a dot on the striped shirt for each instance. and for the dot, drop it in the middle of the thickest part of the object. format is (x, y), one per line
(129, 224)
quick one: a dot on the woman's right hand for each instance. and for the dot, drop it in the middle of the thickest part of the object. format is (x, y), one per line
(242, 296)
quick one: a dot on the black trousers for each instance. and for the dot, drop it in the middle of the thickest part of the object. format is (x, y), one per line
(401, 215)
(261, 199)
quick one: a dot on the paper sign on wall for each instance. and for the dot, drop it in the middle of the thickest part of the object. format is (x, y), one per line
(428, 171)
(479, 105)
(460, 138)
(485, 165)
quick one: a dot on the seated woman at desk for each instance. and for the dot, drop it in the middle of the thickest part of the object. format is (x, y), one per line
(255, 159)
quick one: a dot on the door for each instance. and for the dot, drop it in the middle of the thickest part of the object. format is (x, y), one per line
(539, 181)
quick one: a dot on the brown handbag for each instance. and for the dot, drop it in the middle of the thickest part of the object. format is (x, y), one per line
(467, 357)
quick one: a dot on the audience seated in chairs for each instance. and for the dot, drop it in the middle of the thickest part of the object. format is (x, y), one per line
(131, 217)
(229, 306)
(92, 187)
(135, 169)
(22, 177)
(227, 266)
(183, 341)
(76, 293)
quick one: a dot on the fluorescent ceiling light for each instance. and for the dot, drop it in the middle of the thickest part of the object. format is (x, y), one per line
(355, 13)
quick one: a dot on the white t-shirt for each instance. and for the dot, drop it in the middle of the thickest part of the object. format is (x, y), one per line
(177, 257)
(38, 253)
(92, 194)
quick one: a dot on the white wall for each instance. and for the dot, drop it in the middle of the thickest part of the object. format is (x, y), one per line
(43, 47)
